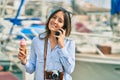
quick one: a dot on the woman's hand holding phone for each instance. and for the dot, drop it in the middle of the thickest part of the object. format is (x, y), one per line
(60, 35)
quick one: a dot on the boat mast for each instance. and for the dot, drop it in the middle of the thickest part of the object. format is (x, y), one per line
(3, 7)
(43, 8)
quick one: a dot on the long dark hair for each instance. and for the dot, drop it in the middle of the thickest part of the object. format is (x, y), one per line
(67, 21)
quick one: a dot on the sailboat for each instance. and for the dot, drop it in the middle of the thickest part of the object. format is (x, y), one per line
(97, 55)
(11, 32)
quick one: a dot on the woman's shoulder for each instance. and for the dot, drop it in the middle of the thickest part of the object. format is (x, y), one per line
(39, 37)
(69, 42)
(68, 39)
(36, 39)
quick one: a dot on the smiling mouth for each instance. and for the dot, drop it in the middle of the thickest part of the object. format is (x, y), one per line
(55, 26)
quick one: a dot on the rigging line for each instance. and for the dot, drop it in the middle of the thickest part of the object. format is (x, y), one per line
(15, 19)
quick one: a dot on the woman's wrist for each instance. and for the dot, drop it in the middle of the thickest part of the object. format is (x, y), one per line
(61, 46)
(24, 62)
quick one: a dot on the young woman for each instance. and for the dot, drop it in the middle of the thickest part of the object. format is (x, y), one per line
(60, 57)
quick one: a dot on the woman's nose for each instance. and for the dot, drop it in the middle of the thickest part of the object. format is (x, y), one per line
(55, 21)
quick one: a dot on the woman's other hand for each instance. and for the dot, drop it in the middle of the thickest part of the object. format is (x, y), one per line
(22, 55)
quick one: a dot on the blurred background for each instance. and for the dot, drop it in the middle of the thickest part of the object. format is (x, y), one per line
(95, 28)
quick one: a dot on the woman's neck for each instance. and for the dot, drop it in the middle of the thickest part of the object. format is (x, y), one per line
(52, 37)
(53, 41)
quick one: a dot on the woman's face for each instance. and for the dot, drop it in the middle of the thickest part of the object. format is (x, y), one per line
(57, 21)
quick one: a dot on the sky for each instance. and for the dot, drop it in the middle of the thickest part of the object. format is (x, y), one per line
(100, 3)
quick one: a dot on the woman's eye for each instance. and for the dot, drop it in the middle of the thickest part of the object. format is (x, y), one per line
(60, 20)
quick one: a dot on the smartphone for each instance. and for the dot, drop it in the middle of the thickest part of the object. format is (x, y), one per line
(58, 33)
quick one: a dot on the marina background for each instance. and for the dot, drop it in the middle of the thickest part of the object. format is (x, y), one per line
(95, 28)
